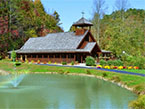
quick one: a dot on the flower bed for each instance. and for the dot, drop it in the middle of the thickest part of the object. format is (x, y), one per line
(118, 67)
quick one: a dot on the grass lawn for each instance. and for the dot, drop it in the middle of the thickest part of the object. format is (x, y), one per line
(135, 71)
(136, 82)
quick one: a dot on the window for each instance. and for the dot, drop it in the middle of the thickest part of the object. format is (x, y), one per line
(63, 55)
(50, 56)
(45, 56)
(71, 56)
(57, 56)
(28, 56)
(18, 56)
(39, 56)
(33, 56)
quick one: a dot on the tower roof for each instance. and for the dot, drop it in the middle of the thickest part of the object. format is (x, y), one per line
(82, 22)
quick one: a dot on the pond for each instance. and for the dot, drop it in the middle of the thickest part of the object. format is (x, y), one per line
(63, 92)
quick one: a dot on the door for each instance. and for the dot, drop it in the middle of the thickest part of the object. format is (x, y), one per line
(78, 58)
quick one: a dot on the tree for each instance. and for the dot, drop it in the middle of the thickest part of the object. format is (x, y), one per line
(13, 55)
(121, 6)
(99, 12)
(22, 19)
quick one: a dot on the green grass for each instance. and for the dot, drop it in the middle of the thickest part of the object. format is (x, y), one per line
(135, 70)
(129, 80)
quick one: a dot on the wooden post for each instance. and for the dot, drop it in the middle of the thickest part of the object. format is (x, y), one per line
(21, 57)
(74, 57)
(67, 58)
(48, 57)
(98, 57)
(25, 57)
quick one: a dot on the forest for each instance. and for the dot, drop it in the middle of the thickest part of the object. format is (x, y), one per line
(122, 32)
(22, 19)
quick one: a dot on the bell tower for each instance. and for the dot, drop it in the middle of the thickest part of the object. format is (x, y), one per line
(82, 25)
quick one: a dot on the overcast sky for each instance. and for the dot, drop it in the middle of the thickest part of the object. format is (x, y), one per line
(70, 10)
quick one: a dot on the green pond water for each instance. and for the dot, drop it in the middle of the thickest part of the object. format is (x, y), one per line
(53, 91)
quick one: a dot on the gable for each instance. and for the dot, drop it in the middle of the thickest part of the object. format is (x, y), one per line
(88, 38)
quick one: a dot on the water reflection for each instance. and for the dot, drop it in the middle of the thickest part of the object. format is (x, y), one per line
(64, 92)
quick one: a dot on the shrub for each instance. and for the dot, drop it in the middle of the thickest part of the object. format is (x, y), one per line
(90, 61)
(17, 63)
(38, 62)
(104, 74)
(76, 62)
(88, 72)
(13, 55)
(116, 79)
(72, 63)
(103, 62)
(110, 62)
(135, 61)
(55, 63)
(64, 63)
(139, 103)
(32, 61)
(49, 62)
(140, 62)
(27, 61)
(118, 63)
(66, 72)
(61, 71)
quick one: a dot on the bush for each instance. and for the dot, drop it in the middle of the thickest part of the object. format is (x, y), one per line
(140, 62)
(118, 63)
(72, 63)
(13, 55)
(110, 62)
(103, 62)
(135, 61)
(88, 72)
(64, 63)
(90, 61)
(18, 63)
(61, 72)
(139, 103)
(66, 72)
(116, 79)
(104, 74)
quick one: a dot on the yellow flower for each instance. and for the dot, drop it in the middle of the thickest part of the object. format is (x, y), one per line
(107, 67)
(99, 66)
(129, 67)
(120, 67)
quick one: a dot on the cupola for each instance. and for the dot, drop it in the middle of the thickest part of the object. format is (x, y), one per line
(82, 25)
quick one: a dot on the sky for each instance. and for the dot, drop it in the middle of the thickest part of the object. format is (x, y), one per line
(70, 10)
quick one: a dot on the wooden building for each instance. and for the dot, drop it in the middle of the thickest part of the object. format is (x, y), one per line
(62, 47)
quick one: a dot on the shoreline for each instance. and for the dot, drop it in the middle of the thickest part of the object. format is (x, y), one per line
(120, 84)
